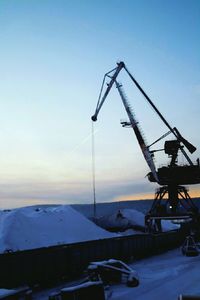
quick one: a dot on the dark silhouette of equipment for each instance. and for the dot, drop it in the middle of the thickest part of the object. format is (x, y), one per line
(190, 247)
(112, 271)
(177, 203)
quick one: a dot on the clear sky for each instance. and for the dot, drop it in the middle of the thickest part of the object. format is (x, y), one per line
(53, 56)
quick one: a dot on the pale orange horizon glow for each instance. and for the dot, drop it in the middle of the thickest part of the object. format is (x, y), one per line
(139, 196)
(194, 192)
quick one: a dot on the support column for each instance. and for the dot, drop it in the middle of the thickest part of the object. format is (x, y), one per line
(173, 197)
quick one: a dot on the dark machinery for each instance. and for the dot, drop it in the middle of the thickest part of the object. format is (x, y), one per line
(172, 200)
(190, 247)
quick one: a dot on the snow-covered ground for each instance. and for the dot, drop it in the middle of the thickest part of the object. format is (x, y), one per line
(42, 226)
(163, 277)
(35, 227)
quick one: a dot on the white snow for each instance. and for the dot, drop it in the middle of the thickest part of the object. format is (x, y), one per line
(137, 218)
(42, 226)
(125, 218)
(163, 277)
(35, 227)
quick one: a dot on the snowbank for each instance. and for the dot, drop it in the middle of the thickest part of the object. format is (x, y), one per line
(137, 218)
(130, 218)
(36, 227)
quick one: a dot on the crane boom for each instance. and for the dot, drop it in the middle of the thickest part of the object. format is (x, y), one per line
(154, 175)
(134, 124)
(120, 66)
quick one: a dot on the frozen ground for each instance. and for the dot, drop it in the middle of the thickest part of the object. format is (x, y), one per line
(163, 277)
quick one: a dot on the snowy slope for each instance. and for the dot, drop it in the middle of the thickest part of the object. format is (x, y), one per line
(34, 227)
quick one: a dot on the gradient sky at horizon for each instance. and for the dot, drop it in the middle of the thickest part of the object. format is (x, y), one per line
(53, 57)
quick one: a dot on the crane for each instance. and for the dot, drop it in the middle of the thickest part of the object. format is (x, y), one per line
(170, 177)
(134, 124)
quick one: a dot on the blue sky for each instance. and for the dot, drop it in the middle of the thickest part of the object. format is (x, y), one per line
(53, 57)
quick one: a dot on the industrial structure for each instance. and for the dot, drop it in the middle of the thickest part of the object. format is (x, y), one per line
(172, 200)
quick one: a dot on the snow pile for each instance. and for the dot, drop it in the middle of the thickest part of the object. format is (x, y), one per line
(137, 218)
(134, 217)
(113, 221)
(35, 227)
(130, 218)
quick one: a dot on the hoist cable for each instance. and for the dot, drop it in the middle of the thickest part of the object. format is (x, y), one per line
(93, 171)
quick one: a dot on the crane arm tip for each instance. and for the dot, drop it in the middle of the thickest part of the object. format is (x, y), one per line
(94, 118)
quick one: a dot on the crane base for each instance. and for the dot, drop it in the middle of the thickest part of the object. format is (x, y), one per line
(171, 202)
